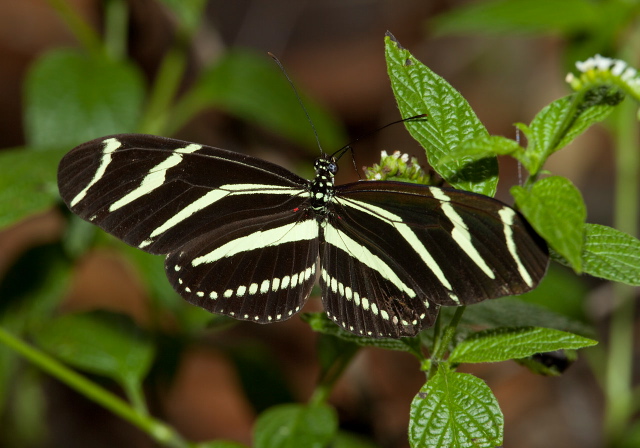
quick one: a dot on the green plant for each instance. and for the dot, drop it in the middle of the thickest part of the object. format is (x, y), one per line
(452, 409)
(587, 28)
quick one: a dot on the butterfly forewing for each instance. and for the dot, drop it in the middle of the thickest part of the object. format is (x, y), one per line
(159, 193)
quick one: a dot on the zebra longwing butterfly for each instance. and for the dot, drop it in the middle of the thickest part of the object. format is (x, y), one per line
(247, 238)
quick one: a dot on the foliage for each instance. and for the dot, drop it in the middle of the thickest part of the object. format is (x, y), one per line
(452, 409)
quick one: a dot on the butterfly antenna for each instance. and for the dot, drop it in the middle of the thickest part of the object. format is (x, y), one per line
(295, 91)
(340, 152)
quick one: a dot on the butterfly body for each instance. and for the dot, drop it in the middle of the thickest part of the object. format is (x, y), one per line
(248, 238)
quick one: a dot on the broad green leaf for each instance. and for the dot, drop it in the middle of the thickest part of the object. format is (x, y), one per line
(320, 323)
(71, 97)
(100, 343)
(294, 426)
(611, 254)
(511, 311)
(559, 123)
(555, 209)
(455, 410)
(27, 183)
(450, 121)
(519, 16)
(483, 147)
(501, 344)
(252, 87)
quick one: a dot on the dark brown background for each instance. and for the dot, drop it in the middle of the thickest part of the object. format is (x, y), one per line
(334, 51)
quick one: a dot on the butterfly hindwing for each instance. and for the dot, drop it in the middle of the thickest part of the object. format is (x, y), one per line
(260, 269)
(366, 292)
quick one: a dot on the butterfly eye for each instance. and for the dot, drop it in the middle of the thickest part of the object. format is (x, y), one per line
(332, 168)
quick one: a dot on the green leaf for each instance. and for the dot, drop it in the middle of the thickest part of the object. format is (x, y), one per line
(104, 344)
(450, 121)
(296, 425)
(27, 183)
(455, 410)
(320, 323)
(519, 16)
(611, 254)
(71, 97)
(555, 209)
(559, 123)
(252, 88)
(483, 147)
(501, 344)
(511, 311)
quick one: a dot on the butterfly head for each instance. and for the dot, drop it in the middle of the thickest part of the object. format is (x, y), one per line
(326, 165)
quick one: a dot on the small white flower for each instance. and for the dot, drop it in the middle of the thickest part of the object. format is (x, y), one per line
(618, 67)
(628, 74)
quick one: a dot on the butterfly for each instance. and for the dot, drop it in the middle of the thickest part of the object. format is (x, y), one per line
(247, 238)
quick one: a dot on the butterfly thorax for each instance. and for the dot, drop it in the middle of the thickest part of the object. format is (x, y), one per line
(322, 184)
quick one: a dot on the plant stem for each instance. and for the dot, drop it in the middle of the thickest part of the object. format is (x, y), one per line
(442, 343)
(619, 362)
(158, 430)
(332, 374)
(115, 29)
(86, 35)
(164, 90)
(618, 369)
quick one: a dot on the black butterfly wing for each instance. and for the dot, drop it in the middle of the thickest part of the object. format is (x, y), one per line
(421, 247)
(158, 193)
(364, 290)
(259, 269)
(235, 228)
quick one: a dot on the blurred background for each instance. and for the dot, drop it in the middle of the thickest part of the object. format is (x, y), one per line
(212, 383)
